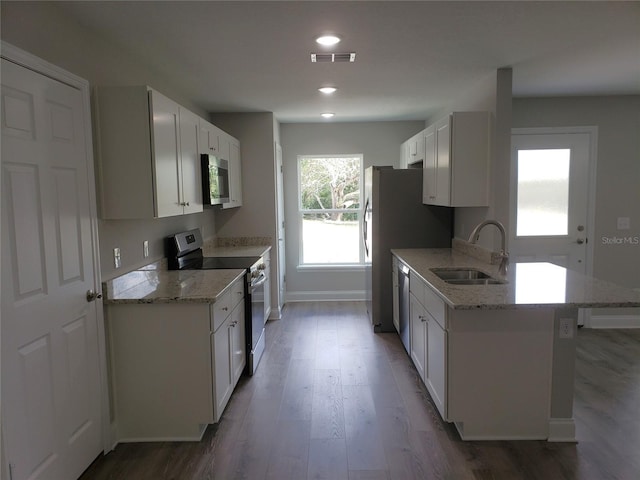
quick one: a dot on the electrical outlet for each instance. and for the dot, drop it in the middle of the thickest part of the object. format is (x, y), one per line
(116, 257)
(145, 248)
(624, 223)
(566, 328)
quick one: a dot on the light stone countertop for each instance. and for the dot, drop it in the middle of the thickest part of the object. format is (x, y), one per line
(528, 285)
(235, 251)
(169, 286)
(153, 283)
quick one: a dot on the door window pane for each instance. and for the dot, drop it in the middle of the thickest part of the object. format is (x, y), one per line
(543, 192)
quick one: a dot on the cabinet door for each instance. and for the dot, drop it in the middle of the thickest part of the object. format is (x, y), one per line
(235, 174)
(221, 357)
(436, 366)
(404, 155)
(267, 288)
(166, 162)
(418, 335)
(443, 162)
(429, 173)
(208, 138)
(395, 294)
(237, 343)
(190, 170)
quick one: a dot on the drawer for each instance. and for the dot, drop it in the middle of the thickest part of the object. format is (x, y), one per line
(416, 286)
(236, 293)
(428, 298)
(221, 309)
(434, 305)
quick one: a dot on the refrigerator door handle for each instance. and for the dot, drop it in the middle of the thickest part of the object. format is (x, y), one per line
(364, 228)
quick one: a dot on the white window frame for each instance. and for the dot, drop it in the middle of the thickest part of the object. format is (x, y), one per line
(356, 266)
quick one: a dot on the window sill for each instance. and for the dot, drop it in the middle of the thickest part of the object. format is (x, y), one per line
(331, 268)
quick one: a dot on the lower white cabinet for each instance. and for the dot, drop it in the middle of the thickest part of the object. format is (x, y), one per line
(488, 371)
(228, 357)
(395, 293)
(429, 340)
(174, 365)
(267, 287)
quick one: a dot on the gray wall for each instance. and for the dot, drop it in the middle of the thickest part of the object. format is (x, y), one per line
(618, 170)
(379, 143)
(257, 133)
(40, 29)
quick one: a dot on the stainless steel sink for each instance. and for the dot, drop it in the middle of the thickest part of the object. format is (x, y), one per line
(465, 276)
(475, 281)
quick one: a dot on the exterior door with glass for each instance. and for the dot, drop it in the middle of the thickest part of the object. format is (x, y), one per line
(550, 197)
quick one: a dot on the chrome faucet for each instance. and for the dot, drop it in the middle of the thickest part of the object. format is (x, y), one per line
(504, 256)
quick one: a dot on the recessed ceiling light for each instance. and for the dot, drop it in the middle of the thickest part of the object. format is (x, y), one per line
(328, 40)
(327, 115)
(327, 90)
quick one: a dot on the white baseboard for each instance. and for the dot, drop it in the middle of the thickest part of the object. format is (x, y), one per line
(326, 296)
(275, 314)
(614, 321)
(562, 430)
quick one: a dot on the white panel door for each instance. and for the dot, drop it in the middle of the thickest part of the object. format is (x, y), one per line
(281, 227)
(50, 359)
(550, 198)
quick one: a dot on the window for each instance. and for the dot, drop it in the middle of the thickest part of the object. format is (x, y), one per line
(329, 198)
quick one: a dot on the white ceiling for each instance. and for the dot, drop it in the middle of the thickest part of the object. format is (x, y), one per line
(411, 57)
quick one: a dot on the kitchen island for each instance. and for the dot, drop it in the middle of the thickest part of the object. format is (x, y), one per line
(498, 358)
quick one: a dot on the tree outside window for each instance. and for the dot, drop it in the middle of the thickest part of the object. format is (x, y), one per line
(329, 207)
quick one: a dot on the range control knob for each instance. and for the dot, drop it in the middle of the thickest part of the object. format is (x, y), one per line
(262, 266)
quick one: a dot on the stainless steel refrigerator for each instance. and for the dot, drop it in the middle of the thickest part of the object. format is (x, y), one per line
(394, 217)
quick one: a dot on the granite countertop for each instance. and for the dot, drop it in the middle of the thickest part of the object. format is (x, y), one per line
(235, 251)
(154, 285)
(528, 285)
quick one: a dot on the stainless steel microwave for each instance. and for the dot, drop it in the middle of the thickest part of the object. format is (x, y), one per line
(215, 180)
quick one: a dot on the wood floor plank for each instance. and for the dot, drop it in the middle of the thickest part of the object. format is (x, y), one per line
(332, 400)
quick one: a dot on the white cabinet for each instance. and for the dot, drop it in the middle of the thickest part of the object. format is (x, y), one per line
(412, 151)
(149, 164)
(174, 366)
(456, 166)
(209, 140)
(267, 286)
(230, 149)
(395, 293)
(429, 340)
(228, 356)
(215, 141)
(418, 320)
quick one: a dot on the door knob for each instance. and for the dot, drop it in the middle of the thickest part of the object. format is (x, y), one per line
(91, 295)
(580, 241)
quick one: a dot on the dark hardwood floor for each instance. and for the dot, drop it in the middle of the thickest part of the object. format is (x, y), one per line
(332, 400)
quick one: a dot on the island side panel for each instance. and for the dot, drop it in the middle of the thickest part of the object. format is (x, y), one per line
(561, 424)
(500, 369)
(162, 375)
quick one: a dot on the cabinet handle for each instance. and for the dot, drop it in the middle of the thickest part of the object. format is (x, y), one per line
(225, 308)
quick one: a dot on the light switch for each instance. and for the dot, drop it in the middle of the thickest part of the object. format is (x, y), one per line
(624, 223)
(145, 248)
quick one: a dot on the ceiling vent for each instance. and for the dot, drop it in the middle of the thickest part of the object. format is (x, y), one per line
(333, 57)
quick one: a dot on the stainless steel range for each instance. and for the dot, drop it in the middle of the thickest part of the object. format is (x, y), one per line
(184, 252)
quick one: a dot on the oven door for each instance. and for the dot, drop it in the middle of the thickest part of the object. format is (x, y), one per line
(257, 321)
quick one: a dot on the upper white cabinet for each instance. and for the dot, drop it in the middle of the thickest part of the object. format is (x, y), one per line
(209, 140)
(217, 142)
(232, 146)
(456, 165)
(412, 151)
(149, 163)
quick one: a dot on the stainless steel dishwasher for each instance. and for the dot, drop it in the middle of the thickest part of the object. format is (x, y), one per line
(403, 303)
